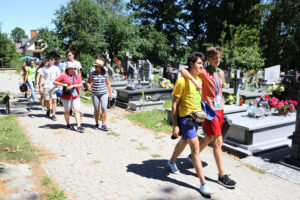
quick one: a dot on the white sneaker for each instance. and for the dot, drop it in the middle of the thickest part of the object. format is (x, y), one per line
(43, 109)
(173, 167)
(205, 189)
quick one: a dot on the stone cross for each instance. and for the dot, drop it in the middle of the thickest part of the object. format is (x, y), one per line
(294, 159)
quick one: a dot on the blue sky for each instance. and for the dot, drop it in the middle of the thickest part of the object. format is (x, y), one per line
(28, 14)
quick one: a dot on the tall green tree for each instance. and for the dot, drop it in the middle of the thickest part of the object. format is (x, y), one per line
(243, 50)
(281, 33)
(17, 34)
(78, 26)
(50, 42)
(8, 51)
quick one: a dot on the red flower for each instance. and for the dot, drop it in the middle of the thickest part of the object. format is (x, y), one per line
(291, 108)
(267, 97)
(126, 77)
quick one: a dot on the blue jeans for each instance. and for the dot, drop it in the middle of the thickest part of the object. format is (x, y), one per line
(31, 84)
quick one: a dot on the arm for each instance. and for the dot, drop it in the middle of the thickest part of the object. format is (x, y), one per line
(37, 78)
(186, 74)
(175, 102)
(109, 88)
(89, 83)
(26, 76)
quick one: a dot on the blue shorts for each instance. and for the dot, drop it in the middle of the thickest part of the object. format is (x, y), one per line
(186, 130)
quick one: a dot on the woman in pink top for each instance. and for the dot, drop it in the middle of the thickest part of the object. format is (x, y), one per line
(71, 80)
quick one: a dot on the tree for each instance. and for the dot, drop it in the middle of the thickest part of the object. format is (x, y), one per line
(50, 42)
(78, 26)
(281, 33)
(8, 50)
(17, 34)
(243, 50)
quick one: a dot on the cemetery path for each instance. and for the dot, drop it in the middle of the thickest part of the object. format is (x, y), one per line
(130, 162)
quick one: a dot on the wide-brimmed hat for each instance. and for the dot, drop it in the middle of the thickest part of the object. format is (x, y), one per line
(99, 62)
(70, 65)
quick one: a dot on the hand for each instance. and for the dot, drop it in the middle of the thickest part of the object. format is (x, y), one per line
(110, 96)
(90, 89)
(176, 131)
(65, 85)
(70, 87)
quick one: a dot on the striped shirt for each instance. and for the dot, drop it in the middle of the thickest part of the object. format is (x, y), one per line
(99, 84)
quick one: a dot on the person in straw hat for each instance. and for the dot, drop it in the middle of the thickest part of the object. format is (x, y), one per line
(99, 85)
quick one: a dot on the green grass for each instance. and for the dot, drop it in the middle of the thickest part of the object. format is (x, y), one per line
(14, 145)
(151, 119)
(256, 169)
(155, 155)
(46, 180)
(57, 194)
(87, 93)
(167, 104)
(113, 134)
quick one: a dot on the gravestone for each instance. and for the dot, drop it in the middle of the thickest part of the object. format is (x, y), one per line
(145, 70)
(272, 74)
(111, 72)
(236, 85)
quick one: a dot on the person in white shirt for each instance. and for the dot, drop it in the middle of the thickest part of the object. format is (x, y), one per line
(48, 75)
(71, 58)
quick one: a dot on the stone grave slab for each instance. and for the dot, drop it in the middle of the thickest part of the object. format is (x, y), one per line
(253, 135)
(147, 105)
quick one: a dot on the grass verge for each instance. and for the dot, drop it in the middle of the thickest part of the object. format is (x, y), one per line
(14, 145)
(152, 119)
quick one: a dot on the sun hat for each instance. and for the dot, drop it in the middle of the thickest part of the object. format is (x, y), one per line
(70, 65)
(99, 62)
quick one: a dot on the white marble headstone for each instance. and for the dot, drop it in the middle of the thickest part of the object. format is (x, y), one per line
(272, 74)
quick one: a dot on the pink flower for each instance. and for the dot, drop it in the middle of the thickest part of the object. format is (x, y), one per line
(281, 104)
(257, 99)
(291, 108)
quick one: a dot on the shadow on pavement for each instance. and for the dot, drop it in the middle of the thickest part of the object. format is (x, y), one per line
(53, 126)
(158, 169)
(36, 115)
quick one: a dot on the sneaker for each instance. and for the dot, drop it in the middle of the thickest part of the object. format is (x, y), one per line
(68, 126)
(80, 129)
(205, 189)
(54, 118)
(48, 113)
(96, 126)
(173, 167)
(104, 127)
(226, 181)
(43, 109)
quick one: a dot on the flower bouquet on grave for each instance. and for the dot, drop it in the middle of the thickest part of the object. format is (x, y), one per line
(165, 83)
(284, 107)
(230, 99)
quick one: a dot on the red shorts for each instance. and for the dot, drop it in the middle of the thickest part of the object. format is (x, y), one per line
(214, 126)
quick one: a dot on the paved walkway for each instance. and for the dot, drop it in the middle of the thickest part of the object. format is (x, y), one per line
(129, 162)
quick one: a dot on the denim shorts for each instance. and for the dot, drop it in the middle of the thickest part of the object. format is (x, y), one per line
(187, 131)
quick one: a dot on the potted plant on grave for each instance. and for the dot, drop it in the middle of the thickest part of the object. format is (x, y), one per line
(284, 107)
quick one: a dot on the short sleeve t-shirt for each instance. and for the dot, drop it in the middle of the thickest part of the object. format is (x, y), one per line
(31, 72)
(50, 74)
(67, 79)
(209, 91)
(99, 82)
(190, 98)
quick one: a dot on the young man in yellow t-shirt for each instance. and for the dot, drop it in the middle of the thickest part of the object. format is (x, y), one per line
(186, 98)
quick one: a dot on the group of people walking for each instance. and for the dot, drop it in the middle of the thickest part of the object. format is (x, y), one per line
(196, 83)
(60, 82)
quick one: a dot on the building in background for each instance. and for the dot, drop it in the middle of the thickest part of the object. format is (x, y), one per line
(32, 47)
